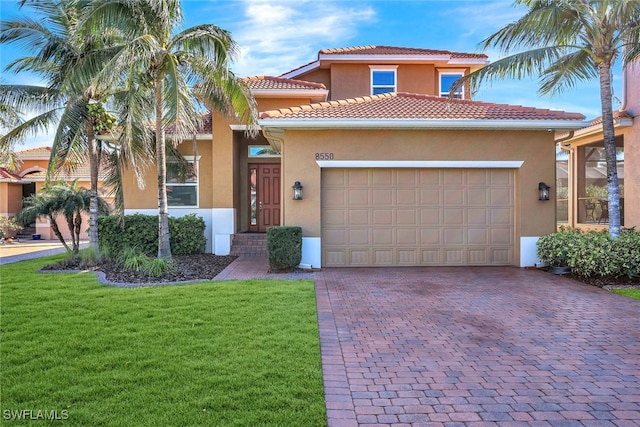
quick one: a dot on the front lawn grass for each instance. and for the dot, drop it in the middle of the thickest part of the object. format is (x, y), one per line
(631, 293)
(238, 353)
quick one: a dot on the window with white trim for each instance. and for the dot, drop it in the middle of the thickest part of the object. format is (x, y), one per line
(383, 80)
(447, 79)
(182, 183)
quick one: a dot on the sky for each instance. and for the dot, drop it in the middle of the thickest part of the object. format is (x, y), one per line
(278, 36)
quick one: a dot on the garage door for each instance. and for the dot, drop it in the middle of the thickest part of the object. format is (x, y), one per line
(413, 217)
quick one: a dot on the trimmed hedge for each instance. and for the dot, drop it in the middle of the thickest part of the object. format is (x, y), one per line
(140, 232)
(593, 253)
(284, 248)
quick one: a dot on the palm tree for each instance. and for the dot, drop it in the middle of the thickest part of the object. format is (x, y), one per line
(66, 199)
(565, 42)
(67, 57)
(10, 117)
(181, 70)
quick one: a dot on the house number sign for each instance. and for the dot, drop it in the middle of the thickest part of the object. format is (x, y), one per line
(324, 156)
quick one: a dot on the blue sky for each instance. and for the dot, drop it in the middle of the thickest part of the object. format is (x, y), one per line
(277, 36)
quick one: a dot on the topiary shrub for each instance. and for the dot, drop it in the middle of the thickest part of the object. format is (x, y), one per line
(284, 248)
(186, 234)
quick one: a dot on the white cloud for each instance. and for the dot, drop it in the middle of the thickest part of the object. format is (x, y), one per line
(277, 36)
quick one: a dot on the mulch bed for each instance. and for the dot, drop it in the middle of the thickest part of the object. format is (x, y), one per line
(186, 268)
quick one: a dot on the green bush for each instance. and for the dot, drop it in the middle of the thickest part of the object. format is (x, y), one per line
(138, 231)
(593, 253)
(284, 248)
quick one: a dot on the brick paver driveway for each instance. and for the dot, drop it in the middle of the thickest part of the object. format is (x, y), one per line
(476, 346)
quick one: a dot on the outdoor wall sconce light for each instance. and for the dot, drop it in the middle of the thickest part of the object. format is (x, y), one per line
(297, 190)
(544, 191)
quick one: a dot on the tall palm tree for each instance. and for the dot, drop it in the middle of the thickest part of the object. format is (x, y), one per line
(182, 70)
(67, 57)
(65, 199)
(565, 42)
(9, 118)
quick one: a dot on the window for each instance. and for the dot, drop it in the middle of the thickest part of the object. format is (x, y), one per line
(447, 79)
(593, 206)
(262, 151)
(383, 80)
(182, 183)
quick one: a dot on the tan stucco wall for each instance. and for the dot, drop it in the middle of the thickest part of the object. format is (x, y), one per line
(147, 198)
(266, 104)
(536, 149)
(10, 198)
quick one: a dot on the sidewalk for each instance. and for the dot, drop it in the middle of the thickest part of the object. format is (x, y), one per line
(29, 249)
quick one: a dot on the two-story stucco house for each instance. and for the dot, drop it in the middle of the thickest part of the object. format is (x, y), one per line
(393, 172)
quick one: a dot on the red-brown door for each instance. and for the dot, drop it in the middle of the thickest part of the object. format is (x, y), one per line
(264, 181)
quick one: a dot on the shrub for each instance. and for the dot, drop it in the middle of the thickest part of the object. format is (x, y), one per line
(284, 247)
(9, 227)
(593, 253)
(156, 267)
(186, 234)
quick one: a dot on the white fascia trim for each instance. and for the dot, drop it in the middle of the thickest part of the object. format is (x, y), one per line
(461, 61)
(291, 93)
(304, 69)
(548, 125)
(465, 164)
(621, 122)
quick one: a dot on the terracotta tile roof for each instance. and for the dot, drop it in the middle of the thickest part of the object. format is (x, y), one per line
(279, 83)
(414, 106)
(205, 127)
(616, 115)
(6, 175)
(35, 153)
(393, 50)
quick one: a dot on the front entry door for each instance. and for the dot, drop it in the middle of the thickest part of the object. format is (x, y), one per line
(264, 183)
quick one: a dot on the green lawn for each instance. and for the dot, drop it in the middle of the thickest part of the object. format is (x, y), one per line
(240, 353)
(631, 293)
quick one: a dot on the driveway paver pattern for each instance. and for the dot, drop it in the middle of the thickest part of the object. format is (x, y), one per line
(474, 347)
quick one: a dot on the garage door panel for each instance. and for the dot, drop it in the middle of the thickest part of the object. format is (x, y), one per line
(382, 216)
(358, 197)
(357, 177)
(453, 177)
(382, 237)
(382, 177)
(358, 216)
(453, 197)
(452, 217)
(430, 197)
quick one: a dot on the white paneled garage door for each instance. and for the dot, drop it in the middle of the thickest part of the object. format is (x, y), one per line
(412, 217)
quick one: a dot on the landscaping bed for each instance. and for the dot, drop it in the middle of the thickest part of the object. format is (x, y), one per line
(185, 268)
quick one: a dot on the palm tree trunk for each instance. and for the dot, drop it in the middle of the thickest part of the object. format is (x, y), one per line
(93, 200)
(164, 247)
(77, 227)
(56, 231)
(610, 149)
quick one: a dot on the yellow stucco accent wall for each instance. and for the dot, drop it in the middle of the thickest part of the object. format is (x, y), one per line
(536, 149)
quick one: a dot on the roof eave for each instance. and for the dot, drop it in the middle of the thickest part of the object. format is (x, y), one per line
(290, 93)
(435, 124)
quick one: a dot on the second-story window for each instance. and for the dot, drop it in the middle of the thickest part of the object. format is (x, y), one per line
(447, 79)
(383, 80)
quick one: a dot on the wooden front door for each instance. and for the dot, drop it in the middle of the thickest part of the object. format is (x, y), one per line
(264, 193)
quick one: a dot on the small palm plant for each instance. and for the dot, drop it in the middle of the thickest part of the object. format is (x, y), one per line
(61, 199)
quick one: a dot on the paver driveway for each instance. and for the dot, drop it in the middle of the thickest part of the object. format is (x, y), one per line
(476, 346)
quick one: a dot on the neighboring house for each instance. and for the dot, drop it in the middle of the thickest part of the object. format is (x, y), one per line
(393, 173)
(30, 179)
(582, 171)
